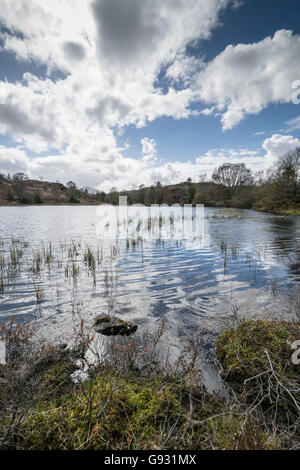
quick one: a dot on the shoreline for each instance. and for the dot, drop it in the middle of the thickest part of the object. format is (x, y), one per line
(134, 400)
(279, 212)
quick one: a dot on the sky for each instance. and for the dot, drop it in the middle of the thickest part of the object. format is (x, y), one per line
(119, 93)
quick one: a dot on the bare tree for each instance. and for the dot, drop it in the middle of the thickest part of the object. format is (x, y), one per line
(202, 177)
(71, 185)
(17, 177)
(233, 176)
(288, 172)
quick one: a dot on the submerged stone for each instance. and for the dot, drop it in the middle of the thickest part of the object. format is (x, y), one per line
(113, 326)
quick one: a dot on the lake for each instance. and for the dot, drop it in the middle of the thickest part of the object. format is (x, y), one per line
(54, 270)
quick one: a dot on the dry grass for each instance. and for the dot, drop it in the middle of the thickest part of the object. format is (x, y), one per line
(257, 364)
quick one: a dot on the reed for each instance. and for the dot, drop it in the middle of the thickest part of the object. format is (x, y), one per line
(39, 291)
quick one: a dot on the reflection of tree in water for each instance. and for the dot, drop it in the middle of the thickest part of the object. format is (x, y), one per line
(295, 268)
(258, 238)
(285, 231)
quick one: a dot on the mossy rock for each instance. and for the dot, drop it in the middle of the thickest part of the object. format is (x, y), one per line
(246, 367)
(241, 351)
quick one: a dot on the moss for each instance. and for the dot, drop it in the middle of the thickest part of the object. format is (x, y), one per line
(133, 418)
(231, 431)
(241, 351)
(135, 412)
(295, 211)
(57, 378)
(277, 210)
(140, 414)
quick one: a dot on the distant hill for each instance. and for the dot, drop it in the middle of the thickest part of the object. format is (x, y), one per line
(42, 192)
(14, 191)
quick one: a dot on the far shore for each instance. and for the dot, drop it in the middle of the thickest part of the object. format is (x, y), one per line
(286, 212)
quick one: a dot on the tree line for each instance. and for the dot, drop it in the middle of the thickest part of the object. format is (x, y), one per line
(231, 185)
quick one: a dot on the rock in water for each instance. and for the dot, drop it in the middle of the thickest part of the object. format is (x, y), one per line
(113, 326)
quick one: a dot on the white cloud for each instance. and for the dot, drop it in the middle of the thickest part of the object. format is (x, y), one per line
(99, 89)
(113, 170)
(149, 150)
(278, 145)
(13, 160)
(97, 45)
(183, 69)
(110, 54)
(44, 28)
(246, 78)
(132, 31)
(294, 124)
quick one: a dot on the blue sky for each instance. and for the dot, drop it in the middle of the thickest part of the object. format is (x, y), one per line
(185, 139)
(123, 92)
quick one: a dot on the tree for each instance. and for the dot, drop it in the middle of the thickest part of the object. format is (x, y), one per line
(202, 177)
(141, 194)
(100, 195)
(279, 189)
(19, 177)
(18, 185)
(74, 200)
(113, 197)
(190, 194)
(38, 198)
(233, 176)
(10, 195)
(288, 175)
(158, 193)
(25, 199)
(74, 193)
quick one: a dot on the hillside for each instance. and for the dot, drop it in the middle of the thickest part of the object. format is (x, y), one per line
(180, 193)
(42, 192)
(26, 192)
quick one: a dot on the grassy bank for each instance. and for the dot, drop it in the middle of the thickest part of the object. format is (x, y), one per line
(288, 211)
(279, 210)
(133, 400)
